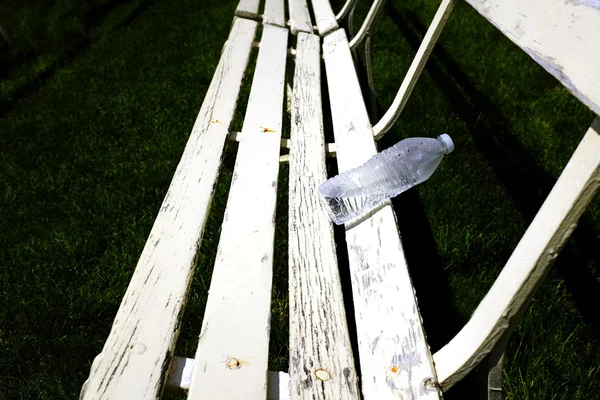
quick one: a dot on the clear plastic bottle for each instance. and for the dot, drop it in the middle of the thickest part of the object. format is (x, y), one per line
(387, 174)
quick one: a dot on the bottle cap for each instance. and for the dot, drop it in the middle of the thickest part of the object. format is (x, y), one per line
(445, 138)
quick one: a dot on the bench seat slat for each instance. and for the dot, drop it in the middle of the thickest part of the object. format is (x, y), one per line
(274, 13)
(319, 342)
(247, 9)
(136, 355)
(231, 361)
(325, 17)
(394, 356)
(299, 17)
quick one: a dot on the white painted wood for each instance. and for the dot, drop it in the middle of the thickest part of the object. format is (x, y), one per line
(365, 28)
(279, 386)
(182, 370)
(180, 376)
(274, 13)
(394, 356)
(349, 4)
(237, 137)
(330, 148)
(529, 263)
(325, 17)
(321, 361)
(299, 16)
(560, 35)
(247, 9)
(231, 361)
(416, 67)
(135, 357)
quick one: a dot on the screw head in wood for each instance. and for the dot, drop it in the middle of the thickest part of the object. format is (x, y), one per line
(323, 375)
(233, 363)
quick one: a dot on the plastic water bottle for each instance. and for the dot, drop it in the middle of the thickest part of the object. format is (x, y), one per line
(385, 175)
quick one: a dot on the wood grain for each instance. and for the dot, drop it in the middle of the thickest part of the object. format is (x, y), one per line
(274, 13)
(231, 361)
(321, 361)
(136, 355)
(325, 17)
(247, 9)
(299, 17)
(394, 356)
(182, 370)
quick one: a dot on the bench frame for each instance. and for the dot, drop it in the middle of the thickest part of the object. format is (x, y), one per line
(483, 339)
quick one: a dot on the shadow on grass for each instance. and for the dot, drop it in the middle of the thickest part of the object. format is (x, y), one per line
(93, 17)
(137, 11)
(527, 183)
(10, 62)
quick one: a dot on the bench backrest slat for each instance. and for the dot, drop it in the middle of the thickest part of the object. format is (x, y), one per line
(299, 16)
(231, 361)
(394, 356)
(324, 16)
(561, 36)
(321, 361)
(136, 355)
(274, 13)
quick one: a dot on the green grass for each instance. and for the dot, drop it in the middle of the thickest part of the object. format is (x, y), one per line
(94, 118)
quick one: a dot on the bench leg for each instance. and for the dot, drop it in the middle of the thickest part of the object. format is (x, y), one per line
(494, 374)
(351, 21)
(371, 82)
(491, 370)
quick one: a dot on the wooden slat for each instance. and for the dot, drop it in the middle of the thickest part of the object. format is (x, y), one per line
(562, 36)
(274, 13)
(325, 17)
(136, 355)
(182, 370)
(299, 16)
(321, 362)
(247, 9)
(416, 67)
(529, 263)
(394, 356)
(231, 361)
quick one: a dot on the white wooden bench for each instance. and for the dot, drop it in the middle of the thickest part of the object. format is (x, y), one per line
(137, 360)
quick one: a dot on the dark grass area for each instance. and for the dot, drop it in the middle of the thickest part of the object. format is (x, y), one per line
(97, 100)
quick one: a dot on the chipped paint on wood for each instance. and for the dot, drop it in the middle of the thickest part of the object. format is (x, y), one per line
(559, 35)
(182, 370)
(394, 356)
(324, 16)
(234, 341)
(274, 13)
(299, 16)
(321, 361)
(136, 355)
(247, 9)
